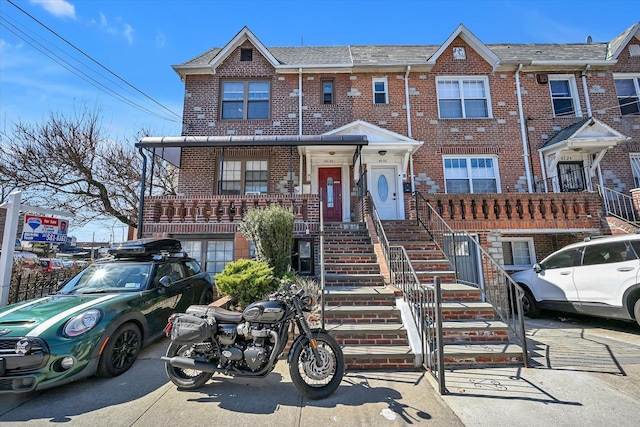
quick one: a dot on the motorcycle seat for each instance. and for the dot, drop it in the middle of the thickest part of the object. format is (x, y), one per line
(225, 316)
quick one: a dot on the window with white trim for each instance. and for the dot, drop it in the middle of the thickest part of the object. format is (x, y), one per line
(245, 100)
(212, 255)
(471, 174)
(463, 97)
(518, 253)
(380, 90)
(628, 91)
(564, 95)
(635, 168)
(244, 177)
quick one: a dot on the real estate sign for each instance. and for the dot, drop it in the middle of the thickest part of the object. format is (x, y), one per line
(44, 229)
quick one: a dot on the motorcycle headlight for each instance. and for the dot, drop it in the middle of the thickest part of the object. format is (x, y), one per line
(307, 302)
(83, 322)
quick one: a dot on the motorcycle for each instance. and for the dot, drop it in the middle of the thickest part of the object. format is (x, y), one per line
(207, 340)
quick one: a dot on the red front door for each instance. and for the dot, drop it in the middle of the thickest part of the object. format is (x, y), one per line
(331, 193)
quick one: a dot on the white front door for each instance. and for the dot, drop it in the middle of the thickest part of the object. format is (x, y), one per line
(384, 190)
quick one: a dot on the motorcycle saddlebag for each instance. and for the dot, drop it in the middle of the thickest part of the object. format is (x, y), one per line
(188, 329)
(203, 311)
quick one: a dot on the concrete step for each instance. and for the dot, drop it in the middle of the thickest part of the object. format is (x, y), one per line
(482, 355)
(354, 279)
(470, 310)
(368, 333)
(475, 331)
(352, 268)
(361, 314)
(378, 357)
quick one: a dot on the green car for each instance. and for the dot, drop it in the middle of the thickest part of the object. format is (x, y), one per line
(101, 318)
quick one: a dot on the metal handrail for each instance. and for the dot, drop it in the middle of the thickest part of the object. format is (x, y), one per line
(424, 301)
(619, 205)
(497, 287)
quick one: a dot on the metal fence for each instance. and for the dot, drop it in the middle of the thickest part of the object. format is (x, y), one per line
(27, 284)
(475, 267)
(619, 205)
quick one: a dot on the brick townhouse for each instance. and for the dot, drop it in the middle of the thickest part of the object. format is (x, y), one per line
(527, 146)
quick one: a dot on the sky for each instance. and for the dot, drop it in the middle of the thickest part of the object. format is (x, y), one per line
(64, 55)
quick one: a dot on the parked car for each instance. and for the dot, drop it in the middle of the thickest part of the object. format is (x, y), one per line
(598, 277)
(50, 264)
(100, 319)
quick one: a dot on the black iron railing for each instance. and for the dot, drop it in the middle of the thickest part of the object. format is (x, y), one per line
(424, 301)
(474, 266)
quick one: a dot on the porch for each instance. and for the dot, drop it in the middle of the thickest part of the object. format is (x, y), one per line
(222, 213)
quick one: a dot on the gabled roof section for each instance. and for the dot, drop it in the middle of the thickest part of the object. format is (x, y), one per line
(585, 134)
(619, 43)
(373, 132)
(472, 41)
(244, 35)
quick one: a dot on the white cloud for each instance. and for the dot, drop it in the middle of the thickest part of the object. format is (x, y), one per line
(59, 8)
(160, 39)
(128, 32)
(120, 28)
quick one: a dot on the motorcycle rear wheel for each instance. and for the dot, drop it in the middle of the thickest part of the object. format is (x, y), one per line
(188, 379)
(313, 381)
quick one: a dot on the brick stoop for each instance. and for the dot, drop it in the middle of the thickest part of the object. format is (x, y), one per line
(472, 334)
(360, 311)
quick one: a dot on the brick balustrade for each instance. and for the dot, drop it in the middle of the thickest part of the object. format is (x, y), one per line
(220, 214)
(506, 210)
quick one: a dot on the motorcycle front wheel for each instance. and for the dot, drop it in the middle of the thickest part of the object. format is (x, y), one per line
(313, 380)
(188, 379)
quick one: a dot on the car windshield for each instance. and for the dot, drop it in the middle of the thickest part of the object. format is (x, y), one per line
(113, 277)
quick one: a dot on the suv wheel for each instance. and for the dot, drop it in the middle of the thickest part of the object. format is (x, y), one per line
(529, 305)
(636, 311)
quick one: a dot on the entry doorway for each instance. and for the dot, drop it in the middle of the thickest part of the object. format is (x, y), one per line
(384, 190)
(330, 185)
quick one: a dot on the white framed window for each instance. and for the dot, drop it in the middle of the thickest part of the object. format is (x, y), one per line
(219, 253)
(380, 90)
(518, 253)
(635, 168)
(564, 95)
(471, 174)
(628, 91)
(212, 255)
(244, 176)
(245, 100)
(463, 97)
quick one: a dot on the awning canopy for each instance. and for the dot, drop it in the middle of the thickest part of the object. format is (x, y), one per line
(244, 141)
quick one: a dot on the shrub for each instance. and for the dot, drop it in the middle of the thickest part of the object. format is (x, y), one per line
(246, 281)
(271, 231)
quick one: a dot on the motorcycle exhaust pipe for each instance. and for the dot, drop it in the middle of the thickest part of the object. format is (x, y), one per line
(186, 363)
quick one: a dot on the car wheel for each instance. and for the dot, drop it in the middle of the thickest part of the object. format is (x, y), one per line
(207, 297)
(636, 311)
(529, 305)
(121, 351)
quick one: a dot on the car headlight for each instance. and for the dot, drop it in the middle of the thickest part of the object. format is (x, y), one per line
(83, 322)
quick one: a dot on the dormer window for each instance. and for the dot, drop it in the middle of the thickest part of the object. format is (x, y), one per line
(246, 54)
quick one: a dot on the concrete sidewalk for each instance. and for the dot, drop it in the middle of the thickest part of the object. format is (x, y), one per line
(144, 396)
(581, 377)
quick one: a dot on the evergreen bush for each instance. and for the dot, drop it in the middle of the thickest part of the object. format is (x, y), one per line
(271, 231)
(246, 281)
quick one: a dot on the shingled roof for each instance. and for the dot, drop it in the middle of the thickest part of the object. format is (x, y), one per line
(380, 55)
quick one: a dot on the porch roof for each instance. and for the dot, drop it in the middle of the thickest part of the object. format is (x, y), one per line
(247, 140)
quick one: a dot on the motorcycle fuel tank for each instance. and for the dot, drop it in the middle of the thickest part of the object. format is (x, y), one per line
(265, 311)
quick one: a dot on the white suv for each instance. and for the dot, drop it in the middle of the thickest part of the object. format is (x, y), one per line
(599, 277)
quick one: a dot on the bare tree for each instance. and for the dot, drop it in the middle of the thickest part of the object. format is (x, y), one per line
(69, 163)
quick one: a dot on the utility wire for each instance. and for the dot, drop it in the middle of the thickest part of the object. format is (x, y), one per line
(93, 60)
(75, 70)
